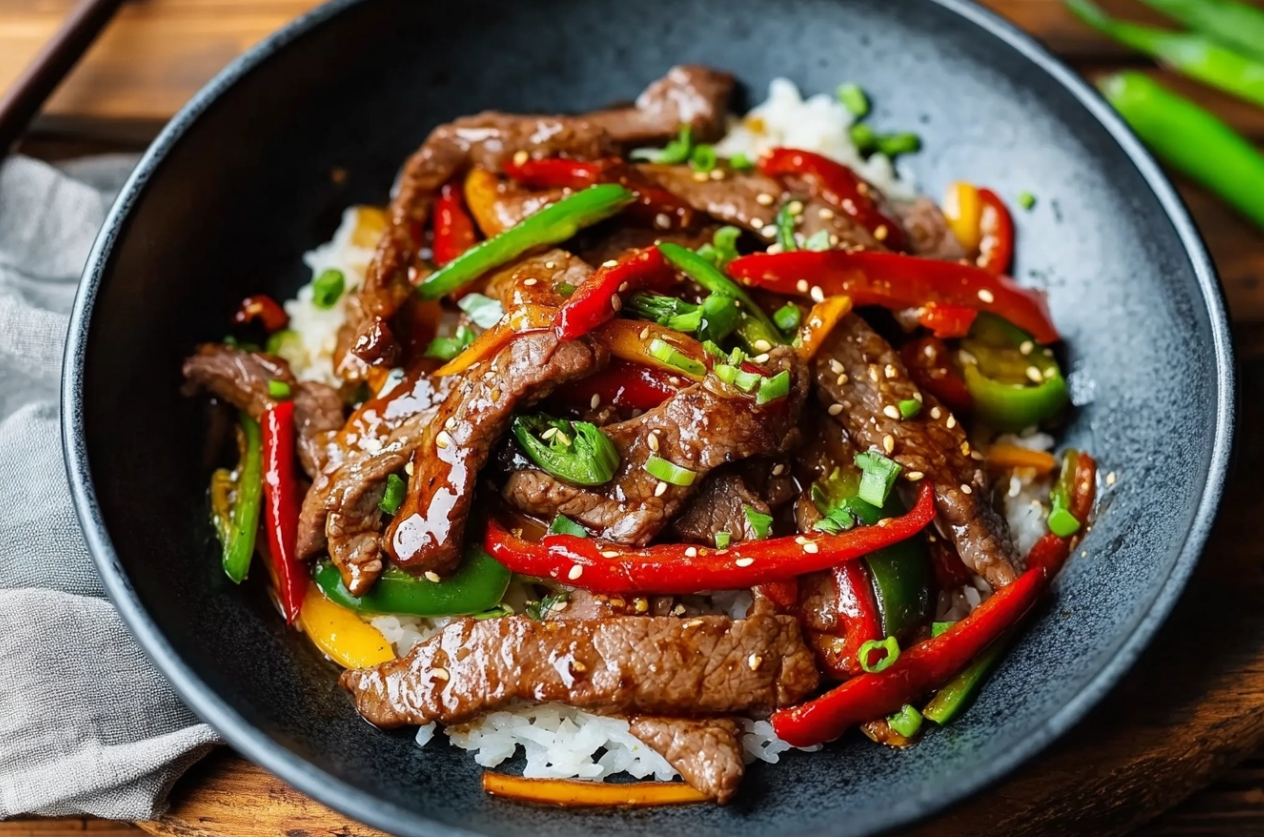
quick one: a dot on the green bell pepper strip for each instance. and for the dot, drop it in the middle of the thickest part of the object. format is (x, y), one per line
(477, 586)
(575, 451)
(551, 225)
(1239, 25)
(756, 328)
(239, 545)
(956, 697)
(1191, 139)
(1061, 521)
(1000, 382)
(1194, 55)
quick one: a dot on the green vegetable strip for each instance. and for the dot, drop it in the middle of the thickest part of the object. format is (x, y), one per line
(563, 525)
(788, 317)
(393, 497)
(756, 328)
(672, 356)
(760, 522)
(1191, 139)
(893, 145)
(770, 389)
(328, 287)
(551, 225)
(878, 476)
(669, 472)
(577, 452)
(785, 228)
(478, 584)
(956, 697)
(240, 545)
(1061, 522)
(891, 645)
(1239, 25)
(1194, 55)
(854, 99)
(907, 722)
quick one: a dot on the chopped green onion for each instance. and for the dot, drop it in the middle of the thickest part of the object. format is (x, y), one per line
(393, 497)
(577, 452)
(1026, 200)
(907, 722)
(538, 610)
(864, 138)
(719, 317)
(722, 248)
(756, 326)
(740, 162)
(760, 522)
(676, 151)
(854, 99)
(669, 311)
(788, 317)
(563, 525)
(785, 222)
(715, 351)
(281, 342)
(278, 389)
(703, 158)
(230, 340)
(669, 472)
(770, 389)
(446, 348)
(893, 145)
(1062, 523)
(722, 540)
(743, 380)
(937, 628)
(910, 407)
(565, 288)
(890, 645)
(878, 476)
(838, 520)
(670, 355)
(328, 287)
(818, 241)
(483, 310)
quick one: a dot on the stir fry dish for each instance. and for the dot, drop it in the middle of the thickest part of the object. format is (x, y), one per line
(653, 442)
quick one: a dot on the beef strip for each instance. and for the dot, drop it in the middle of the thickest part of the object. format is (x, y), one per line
(241, 378)
(582, 604)
(426, 534)
(708, 665)
(933, 443)
(707, 752)
(537, 280)
(688, 95)
(340, 512)
(720, 506)
(699, 428)
(928, 231)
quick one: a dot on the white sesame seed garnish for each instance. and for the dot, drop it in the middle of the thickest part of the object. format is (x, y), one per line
(815, 323)
(679, 610)
(891, 412)
(965, 489)
(693, 623)
(825, 213)
(917, 396)
(577, 666)
(841, 379)
(762, 346)
(615, 302)
(652, 441)
(935, 412)
(881, 232)
(744, 562)
(660, 489)
(440, 673)
(778, 469)
(1050, 372)
(520, 157)
(795, 207)
(576, 572)
(610, 553)
(610, 263)
(834, 409)
(801, 286)
(986, 296)
(914, 476)
(450, 424)
(691, 552)
(432, 576)
(757, 223)
(559, 605)
(817, 294)
(1034, 374)
(408, 468)
(529, 282)
(811, 548)
(645, 333)
(754, 661)
(700, 176)
(834, 239)
(800, 540)
(835, 366)
(1026, 347)
(761, 358)
(595, 402)
(951, 422)
(890, 371)
(1110, 478)
(550, 265)
(662, 220)
(888, 443)
(775, 248)
(549, 433)
(873, 374)
(769, 231)
(764, 199)
(717, 174)
(442, 439)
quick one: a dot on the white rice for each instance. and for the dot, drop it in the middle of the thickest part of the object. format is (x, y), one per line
(819, 123)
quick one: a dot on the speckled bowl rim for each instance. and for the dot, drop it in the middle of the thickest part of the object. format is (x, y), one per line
(365, 807)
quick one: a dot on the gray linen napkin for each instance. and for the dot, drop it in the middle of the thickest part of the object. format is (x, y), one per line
(87, 726)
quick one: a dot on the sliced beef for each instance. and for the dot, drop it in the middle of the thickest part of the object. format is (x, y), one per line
(426, 534)
(583, 604)
(720, 506)
(700, 428)
(537, 280)
(340, 512)
(499, 203)
(933, 444)
(928, 231)
(708, 665)
(241, 378)
(707, 753)
(688, 95)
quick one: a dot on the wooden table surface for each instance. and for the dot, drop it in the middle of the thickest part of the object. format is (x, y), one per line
(1177, 749)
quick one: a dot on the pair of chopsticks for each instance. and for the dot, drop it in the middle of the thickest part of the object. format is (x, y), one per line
(20, 103)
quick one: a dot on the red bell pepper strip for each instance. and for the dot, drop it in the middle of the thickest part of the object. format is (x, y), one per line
(263, 308)
(897, 281)
(996, 249)
(625, 385)
(926, 666)
(783, 594)
(858, 617)
(947, 321)
(453, 227)
(651, 201)
(682, 569)
(927, 362)
(837, 185)
(594, 301)
(280, 506)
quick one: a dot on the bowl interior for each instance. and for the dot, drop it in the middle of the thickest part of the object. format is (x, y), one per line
(240, 186)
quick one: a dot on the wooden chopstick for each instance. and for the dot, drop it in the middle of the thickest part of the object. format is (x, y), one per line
(22, 101)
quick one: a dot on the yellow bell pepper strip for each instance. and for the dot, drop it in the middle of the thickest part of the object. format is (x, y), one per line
(577, 793)
(1007, 457)
(521, 320)
(340, 634)
(818, 324)
(964, 212)
(636, 341)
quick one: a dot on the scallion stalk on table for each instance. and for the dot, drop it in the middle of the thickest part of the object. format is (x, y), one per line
(1236, 24)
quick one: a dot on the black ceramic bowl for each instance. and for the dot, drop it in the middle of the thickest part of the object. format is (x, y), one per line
(239, 185)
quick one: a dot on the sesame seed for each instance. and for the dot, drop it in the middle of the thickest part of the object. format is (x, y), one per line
(764, 199)
(645, 333)
(761, 358)
(835, 366)
(550, 265)
(450, 424)
(891, 411)
(623, 287)
(917, 396)
(849, 205)
(800, 540)
(1050, 372)
(662, 220)
(610, 553)
(744, 562)
(433, 576)
(778, 469)
(825, 213)
(641, 605)
(1034, 374)
(494, 395)
(811, 548)
(873, 374)
(975, 455)
(762, 346)
(559, 605)
(965, 448)
(834, 239)
(700, 176)
(817, 294)
(610, 263)
(965, 489)
(935, 412)
(757, 223)
(548, 434)
(1110, 478)
(652, 441)
(576, 572)
(693, 623)
(679, 610)
(717, 174)
(520, 157)
(775, 248)
(795, 207)
(881, 233)
(595, 402)
(615, 302)
(1027, 347)
(890, 371)
(914, 476)
(801, 286)
(888, 443)
(408, 468)
(576, 665)
(951, 422)
(691, 552)
(815, 323)
(660, 489)
(440, 673)
(754, 661)
(842, 379)
(443, 439)
(769, 231)
(986, 296)
(530, 282)
(835, 409)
